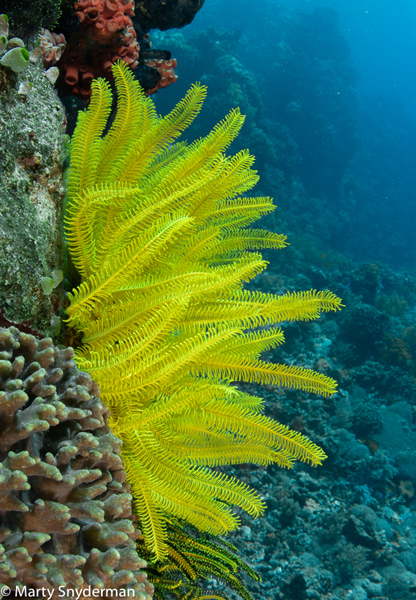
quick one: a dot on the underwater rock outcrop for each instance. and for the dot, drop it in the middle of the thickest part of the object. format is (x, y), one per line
(32, 152)
(65, 510)
(170, 14)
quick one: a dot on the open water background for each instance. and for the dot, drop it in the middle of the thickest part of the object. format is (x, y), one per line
(363, 199)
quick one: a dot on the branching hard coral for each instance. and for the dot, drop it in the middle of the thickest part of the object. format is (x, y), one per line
(157, 231)
(65, 509)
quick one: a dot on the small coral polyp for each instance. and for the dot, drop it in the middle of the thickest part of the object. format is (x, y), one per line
(108, 17)
(52, 46)
(65, 510)
(166, 70)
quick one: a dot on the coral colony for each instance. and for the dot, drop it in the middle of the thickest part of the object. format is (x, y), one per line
(105, 34)
(65, 507)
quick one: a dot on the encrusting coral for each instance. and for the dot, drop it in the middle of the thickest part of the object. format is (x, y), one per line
(105, 34)
(65, 509)
(158, 234)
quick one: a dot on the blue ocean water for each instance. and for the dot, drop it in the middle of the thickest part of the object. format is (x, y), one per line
(381, 35)
(344, 96)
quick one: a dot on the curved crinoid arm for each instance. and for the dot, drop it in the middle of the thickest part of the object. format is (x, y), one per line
(193, 560)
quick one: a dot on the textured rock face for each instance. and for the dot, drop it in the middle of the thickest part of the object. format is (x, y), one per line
(169, 14)
(31, 194)
(65, 510)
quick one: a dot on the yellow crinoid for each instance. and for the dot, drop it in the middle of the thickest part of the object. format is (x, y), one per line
(158, 233)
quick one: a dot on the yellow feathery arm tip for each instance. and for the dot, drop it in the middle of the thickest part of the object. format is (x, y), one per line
(163, 132)
(86, 141)
(135, 115)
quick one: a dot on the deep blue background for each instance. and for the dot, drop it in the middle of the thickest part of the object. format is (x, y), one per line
(381, 34)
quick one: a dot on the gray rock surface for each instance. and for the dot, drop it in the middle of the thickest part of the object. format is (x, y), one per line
(32, 150)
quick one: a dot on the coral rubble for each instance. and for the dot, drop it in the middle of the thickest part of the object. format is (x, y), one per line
(65, 510)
